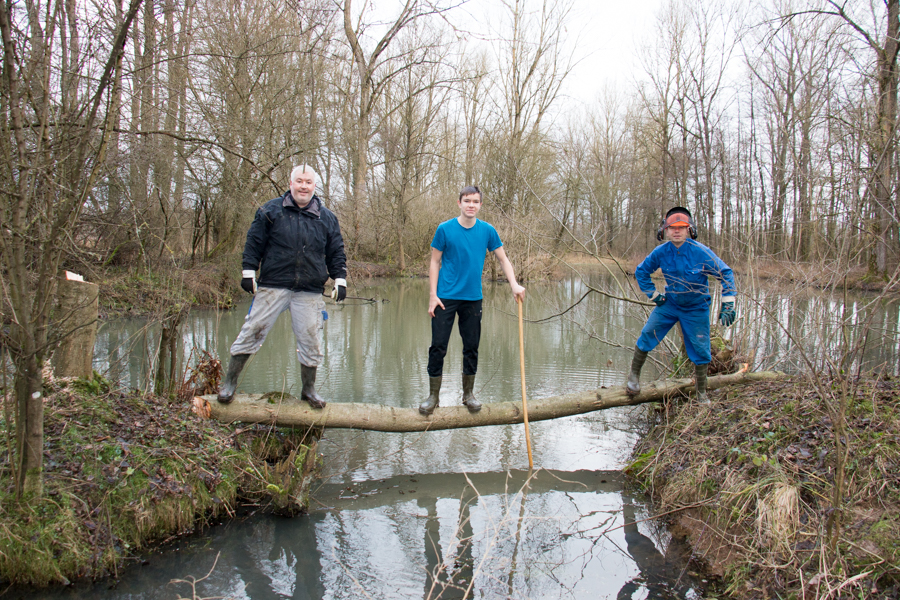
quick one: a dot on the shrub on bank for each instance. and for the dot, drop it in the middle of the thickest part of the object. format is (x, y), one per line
(750, 477)
(123, 471)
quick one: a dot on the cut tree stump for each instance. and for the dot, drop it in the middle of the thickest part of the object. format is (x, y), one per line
(291, 412)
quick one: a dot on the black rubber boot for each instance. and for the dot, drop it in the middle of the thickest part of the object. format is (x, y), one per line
(469, 398)
(633, 384)
(308, 377)
(700, 371)
(434, 391)
(229, 384)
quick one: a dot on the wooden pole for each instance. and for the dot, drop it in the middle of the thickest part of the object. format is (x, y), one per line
(520, 302)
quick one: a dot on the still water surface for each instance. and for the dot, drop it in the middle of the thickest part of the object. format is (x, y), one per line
(447, 514)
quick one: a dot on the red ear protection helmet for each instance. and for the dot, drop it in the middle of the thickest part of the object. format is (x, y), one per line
(677, 215)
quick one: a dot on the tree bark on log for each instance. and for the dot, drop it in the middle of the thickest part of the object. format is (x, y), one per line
(255, 408)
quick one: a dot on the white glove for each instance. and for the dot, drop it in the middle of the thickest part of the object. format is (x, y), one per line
(249, 286)
(339, 291)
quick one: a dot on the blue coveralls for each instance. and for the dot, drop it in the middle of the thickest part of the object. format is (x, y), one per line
(686, 270)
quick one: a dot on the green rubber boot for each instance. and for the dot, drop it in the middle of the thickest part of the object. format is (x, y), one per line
(469, 398)
(308, 393)
(434, 391)
(633, 384)
(700, 372)
(229, 384)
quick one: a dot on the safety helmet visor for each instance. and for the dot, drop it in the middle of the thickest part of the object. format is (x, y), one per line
(677, 220)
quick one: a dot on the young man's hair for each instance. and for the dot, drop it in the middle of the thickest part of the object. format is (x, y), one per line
(470, 189)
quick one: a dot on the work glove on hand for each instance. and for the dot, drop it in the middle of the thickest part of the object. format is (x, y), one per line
(658, 298)
(248, 281)
(339, 292)
(727, 314)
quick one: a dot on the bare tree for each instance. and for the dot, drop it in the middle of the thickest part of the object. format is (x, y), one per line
(532, 65)
(375, 68)
(883, 141)
(411, 103)
(61, 67)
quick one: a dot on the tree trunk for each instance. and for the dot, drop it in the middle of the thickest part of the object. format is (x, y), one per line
(30, 425)
(885, 141)
(77, 310)
(256, 408)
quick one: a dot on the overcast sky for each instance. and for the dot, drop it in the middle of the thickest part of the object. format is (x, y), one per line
(611, 32)
(604, 36)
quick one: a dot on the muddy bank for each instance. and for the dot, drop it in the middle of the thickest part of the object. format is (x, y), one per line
(124, 472)
(750, 479)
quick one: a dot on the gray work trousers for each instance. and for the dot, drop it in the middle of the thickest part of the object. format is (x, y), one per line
(306, 320)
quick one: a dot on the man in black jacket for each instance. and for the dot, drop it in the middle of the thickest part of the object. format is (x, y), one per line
(296, 244)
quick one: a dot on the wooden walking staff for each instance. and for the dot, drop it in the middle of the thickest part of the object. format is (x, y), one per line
(520, 302)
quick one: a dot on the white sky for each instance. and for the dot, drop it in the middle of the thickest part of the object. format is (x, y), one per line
(611, 33)
(604, 35)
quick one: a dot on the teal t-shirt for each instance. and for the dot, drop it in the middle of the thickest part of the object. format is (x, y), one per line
(463, 255)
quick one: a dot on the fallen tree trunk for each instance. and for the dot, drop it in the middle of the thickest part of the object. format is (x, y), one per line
(291, 412)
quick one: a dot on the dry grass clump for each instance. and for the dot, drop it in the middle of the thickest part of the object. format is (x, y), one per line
(778, 516)
(750, 478)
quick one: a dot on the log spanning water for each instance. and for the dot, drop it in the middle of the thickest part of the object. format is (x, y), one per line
(291, 412)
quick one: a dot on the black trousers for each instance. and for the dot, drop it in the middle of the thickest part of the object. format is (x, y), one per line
(469, 312)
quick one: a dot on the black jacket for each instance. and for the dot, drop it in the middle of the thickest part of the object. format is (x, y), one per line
(295, 249)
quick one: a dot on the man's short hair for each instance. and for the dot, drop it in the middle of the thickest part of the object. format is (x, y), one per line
(305, 169)
(468, 190)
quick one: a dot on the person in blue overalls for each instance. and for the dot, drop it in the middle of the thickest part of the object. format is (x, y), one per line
(686, 264)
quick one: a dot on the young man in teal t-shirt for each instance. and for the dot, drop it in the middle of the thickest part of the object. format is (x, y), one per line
(457, 261)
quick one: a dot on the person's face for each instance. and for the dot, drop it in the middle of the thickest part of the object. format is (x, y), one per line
(677, 234)
(303, 186)
(469, 205)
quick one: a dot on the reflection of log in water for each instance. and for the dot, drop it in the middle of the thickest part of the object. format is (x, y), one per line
(255, 408)
(381, 492)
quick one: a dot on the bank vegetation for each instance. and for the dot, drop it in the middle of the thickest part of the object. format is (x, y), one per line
(750, 481)
(127, 473)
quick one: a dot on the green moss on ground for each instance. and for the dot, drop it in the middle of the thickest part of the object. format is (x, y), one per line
(124, 471)
(749, 479)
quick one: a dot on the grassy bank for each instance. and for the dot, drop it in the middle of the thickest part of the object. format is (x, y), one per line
(749, 479)
(124, 471)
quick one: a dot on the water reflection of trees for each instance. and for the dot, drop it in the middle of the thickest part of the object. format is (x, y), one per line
(775, 322)
(816, 322)
(467, 538)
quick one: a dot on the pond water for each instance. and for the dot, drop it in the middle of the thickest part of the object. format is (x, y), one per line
(448, 514)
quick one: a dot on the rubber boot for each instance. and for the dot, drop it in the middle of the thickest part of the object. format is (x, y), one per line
(469, 398)
(434, 391)
(633, 384)
(308, 393)
(700, 372)
(229, 384)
